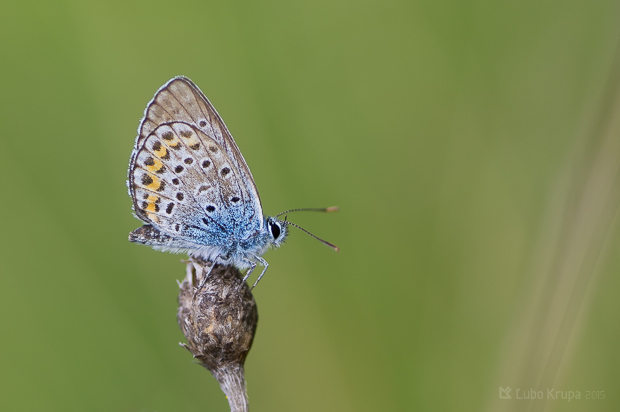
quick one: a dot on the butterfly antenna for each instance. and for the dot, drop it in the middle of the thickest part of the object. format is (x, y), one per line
(336, 248)
(311, 209)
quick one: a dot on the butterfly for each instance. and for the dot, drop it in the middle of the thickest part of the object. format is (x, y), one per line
(192, 188)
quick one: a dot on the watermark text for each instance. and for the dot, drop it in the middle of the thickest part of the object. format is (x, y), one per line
(549, 393)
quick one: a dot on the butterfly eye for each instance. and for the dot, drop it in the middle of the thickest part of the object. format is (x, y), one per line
(275, 230)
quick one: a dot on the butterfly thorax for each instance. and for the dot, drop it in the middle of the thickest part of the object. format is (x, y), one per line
(241, 251)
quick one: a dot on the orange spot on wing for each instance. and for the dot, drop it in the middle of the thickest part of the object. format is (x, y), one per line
(161, 152)
(152, 205)
(155, 184)
(156, 167)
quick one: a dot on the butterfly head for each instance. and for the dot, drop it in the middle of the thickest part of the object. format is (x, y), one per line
(277, 231)
(278, 228)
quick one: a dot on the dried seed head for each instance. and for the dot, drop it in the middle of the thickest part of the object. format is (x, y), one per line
(218, 318)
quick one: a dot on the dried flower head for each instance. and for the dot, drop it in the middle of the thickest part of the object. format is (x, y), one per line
(218, 317)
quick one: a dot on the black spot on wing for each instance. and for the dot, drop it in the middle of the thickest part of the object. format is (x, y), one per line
(146, 179)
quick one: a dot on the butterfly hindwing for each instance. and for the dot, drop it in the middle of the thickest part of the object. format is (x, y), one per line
(180, 100)
(187, 176)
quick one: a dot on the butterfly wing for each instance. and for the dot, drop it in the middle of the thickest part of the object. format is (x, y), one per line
(187, 177)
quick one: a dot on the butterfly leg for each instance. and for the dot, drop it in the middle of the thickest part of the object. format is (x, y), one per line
(265, 266)
(204, 279)
(250, 270)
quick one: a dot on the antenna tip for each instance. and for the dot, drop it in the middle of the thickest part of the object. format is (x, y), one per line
(336, 248)
(331, 209)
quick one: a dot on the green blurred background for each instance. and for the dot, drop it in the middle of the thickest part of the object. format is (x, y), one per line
(473, 148)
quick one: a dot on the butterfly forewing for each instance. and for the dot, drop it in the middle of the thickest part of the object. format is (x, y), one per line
(187, 176)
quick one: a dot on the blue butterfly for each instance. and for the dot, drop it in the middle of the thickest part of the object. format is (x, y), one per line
(192, 187)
